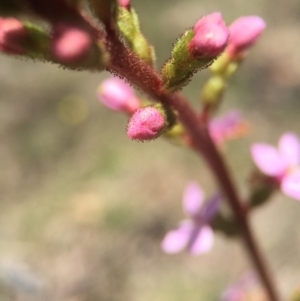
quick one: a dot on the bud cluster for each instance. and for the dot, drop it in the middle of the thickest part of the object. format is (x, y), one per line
(146, 122)
(68, 40)
(243, 33)
(106, 35)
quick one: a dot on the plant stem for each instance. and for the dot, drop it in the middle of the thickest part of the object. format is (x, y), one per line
(222, 174)
(127, 65)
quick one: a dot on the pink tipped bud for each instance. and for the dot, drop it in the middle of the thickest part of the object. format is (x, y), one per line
(213, 18)
(12, 36)
(146, 124)
(210, 39)
(118, 95)
(70, 43)
(124, 3)
(244, 32)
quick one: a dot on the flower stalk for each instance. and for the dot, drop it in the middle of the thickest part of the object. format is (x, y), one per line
(80, 44)
(125, 64)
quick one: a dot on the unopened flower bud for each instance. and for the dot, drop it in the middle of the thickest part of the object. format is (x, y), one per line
(124, 3)
(212, 91)
(244, 32)
(129, 26)
(196, 49)
(210, 39)
(146, 124)
(70, 43)
(12, 36)
(213, 18)
(118, 95)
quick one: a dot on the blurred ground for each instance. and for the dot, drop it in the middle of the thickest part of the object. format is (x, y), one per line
(83, 209)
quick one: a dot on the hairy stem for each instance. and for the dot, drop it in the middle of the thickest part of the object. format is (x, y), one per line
(223, 177)
(127, 65)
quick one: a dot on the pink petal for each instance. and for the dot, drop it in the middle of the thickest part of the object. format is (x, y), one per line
(203, 242)
(268, 159)
(220, 127)
(290, 185)
(211, 208)
(193, 199)
(289, 147)
(176, 240)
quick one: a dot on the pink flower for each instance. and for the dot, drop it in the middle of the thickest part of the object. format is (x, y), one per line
(210, 38)
(282, 163)
(146, 124)
(12, 36)
(118, 95)
(194, 234)
(244, 32)
(70, 43)
(229, 126)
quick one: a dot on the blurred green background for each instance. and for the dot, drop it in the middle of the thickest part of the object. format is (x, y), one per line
(83, 209)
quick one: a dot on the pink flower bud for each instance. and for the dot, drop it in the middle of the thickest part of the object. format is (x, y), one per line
(213, 18)
(70, 43)
(210, 39)
(12, 36)
(118, 95)
(244, 32)
(124, 3)
(145, 124)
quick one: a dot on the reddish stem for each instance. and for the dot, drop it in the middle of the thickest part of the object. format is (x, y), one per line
(127, 65)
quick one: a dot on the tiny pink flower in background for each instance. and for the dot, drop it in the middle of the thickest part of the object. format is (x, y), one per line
(229, 126)
(246, 289)
(70, 43)
(244, 32)
(12, 36)
(210, 38)
(282, 163)
(194, 234)
(145, 124)
(118, 95)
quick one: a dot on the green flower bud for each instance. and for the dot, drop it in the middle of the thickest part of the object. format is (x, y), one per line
(213, 90)
(129, 26)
